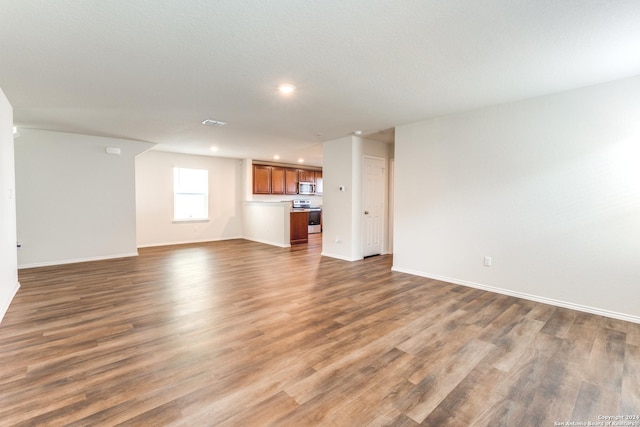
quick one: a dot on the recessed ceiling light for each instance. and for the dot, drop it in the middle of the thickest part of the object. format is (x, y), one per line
(276, 157)
(300, 160)
(357, 132)
(211, 122)
(286, 88)
(213, 148)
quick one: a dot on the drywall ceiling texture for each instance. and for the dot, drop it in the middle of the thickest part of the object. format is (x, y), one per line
(549, 188)
(152, 71)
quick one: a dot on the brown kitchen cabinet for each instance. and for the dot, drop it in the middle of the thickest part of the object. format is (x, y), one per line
(261, 179)
(319, 182)
(305, 175)
(273, 179)
(299, 227)
(291, 181)
(277, 180)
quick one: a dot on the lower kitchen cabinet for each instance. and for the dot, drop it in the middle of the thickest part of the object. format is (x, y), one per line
(299, 227)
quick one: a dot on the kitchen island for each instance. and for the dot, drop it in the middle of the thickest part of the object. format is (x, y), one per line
(281, 223)
(267, 222)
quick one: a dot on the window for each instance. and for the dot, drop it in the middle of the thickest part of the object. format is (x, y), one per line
(190, 194)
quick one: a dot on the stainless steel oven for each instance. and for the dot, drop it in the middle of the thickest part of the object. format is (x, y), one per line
(315, 220)
(314, 214)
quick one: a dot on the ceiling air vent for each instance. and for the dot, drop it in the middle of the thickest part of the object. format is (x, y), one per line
(211, 122)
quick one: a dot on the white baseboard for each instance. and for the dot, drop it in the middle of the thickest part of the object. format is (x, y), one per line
(342, 257)
(76, 260)
(268, 242)
(186, 242)
(530, 297)
(5, 304)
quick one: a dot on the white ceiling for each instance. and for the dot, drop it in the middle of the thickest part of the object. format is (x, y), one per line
(153, 70)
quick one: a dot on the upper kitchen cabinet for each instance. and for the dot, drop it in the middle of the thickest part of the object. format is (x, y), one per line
(261, 179)
(277, 180)
(280, 179)
(319, 182)
(291, 181)
(305, 175)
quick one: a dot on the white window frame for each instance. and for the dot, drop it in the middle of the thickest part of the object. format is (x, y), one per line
(193, 188)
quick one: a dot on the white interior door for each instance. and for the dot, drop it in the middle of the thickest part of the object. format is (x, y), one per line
(373, 205)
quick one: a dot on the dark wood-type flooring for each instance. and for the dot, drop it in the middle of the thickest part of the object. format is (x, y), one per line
(243, 334)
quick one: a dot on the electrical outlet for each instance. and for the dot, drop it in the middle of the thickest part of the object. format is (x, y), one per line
(487, 261)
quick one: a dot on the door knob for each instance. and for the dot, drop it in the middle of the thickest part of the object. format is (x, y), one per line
(366, 212)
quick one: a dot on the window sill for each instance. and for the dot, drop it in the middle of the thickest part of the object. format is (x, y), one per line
(179, 221)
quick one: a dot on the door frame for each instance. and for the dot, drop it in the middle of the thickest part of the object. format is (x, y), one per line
(390, 203)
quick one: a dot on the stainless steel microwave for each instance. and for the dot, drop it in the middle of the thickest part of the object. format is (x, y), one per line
(306, 188)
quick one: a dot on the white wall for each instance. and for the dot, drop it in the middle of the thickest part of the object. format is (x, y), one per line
(8, 254)
(548, 187)
(267, 223)
(338, 208)
(74, 201)
(247, 179)
(154, 199)
(342, 210)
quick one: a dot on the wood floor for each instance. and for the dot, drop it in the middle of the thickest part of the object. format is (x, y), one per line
(244, 334)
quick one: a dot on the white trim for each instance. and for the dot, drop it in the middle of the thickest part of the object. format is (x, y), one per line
(267, 242)
(342, 257)
(7, 303)
(536, 298)
(391, 203)
(186, 242)
(76, 260)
